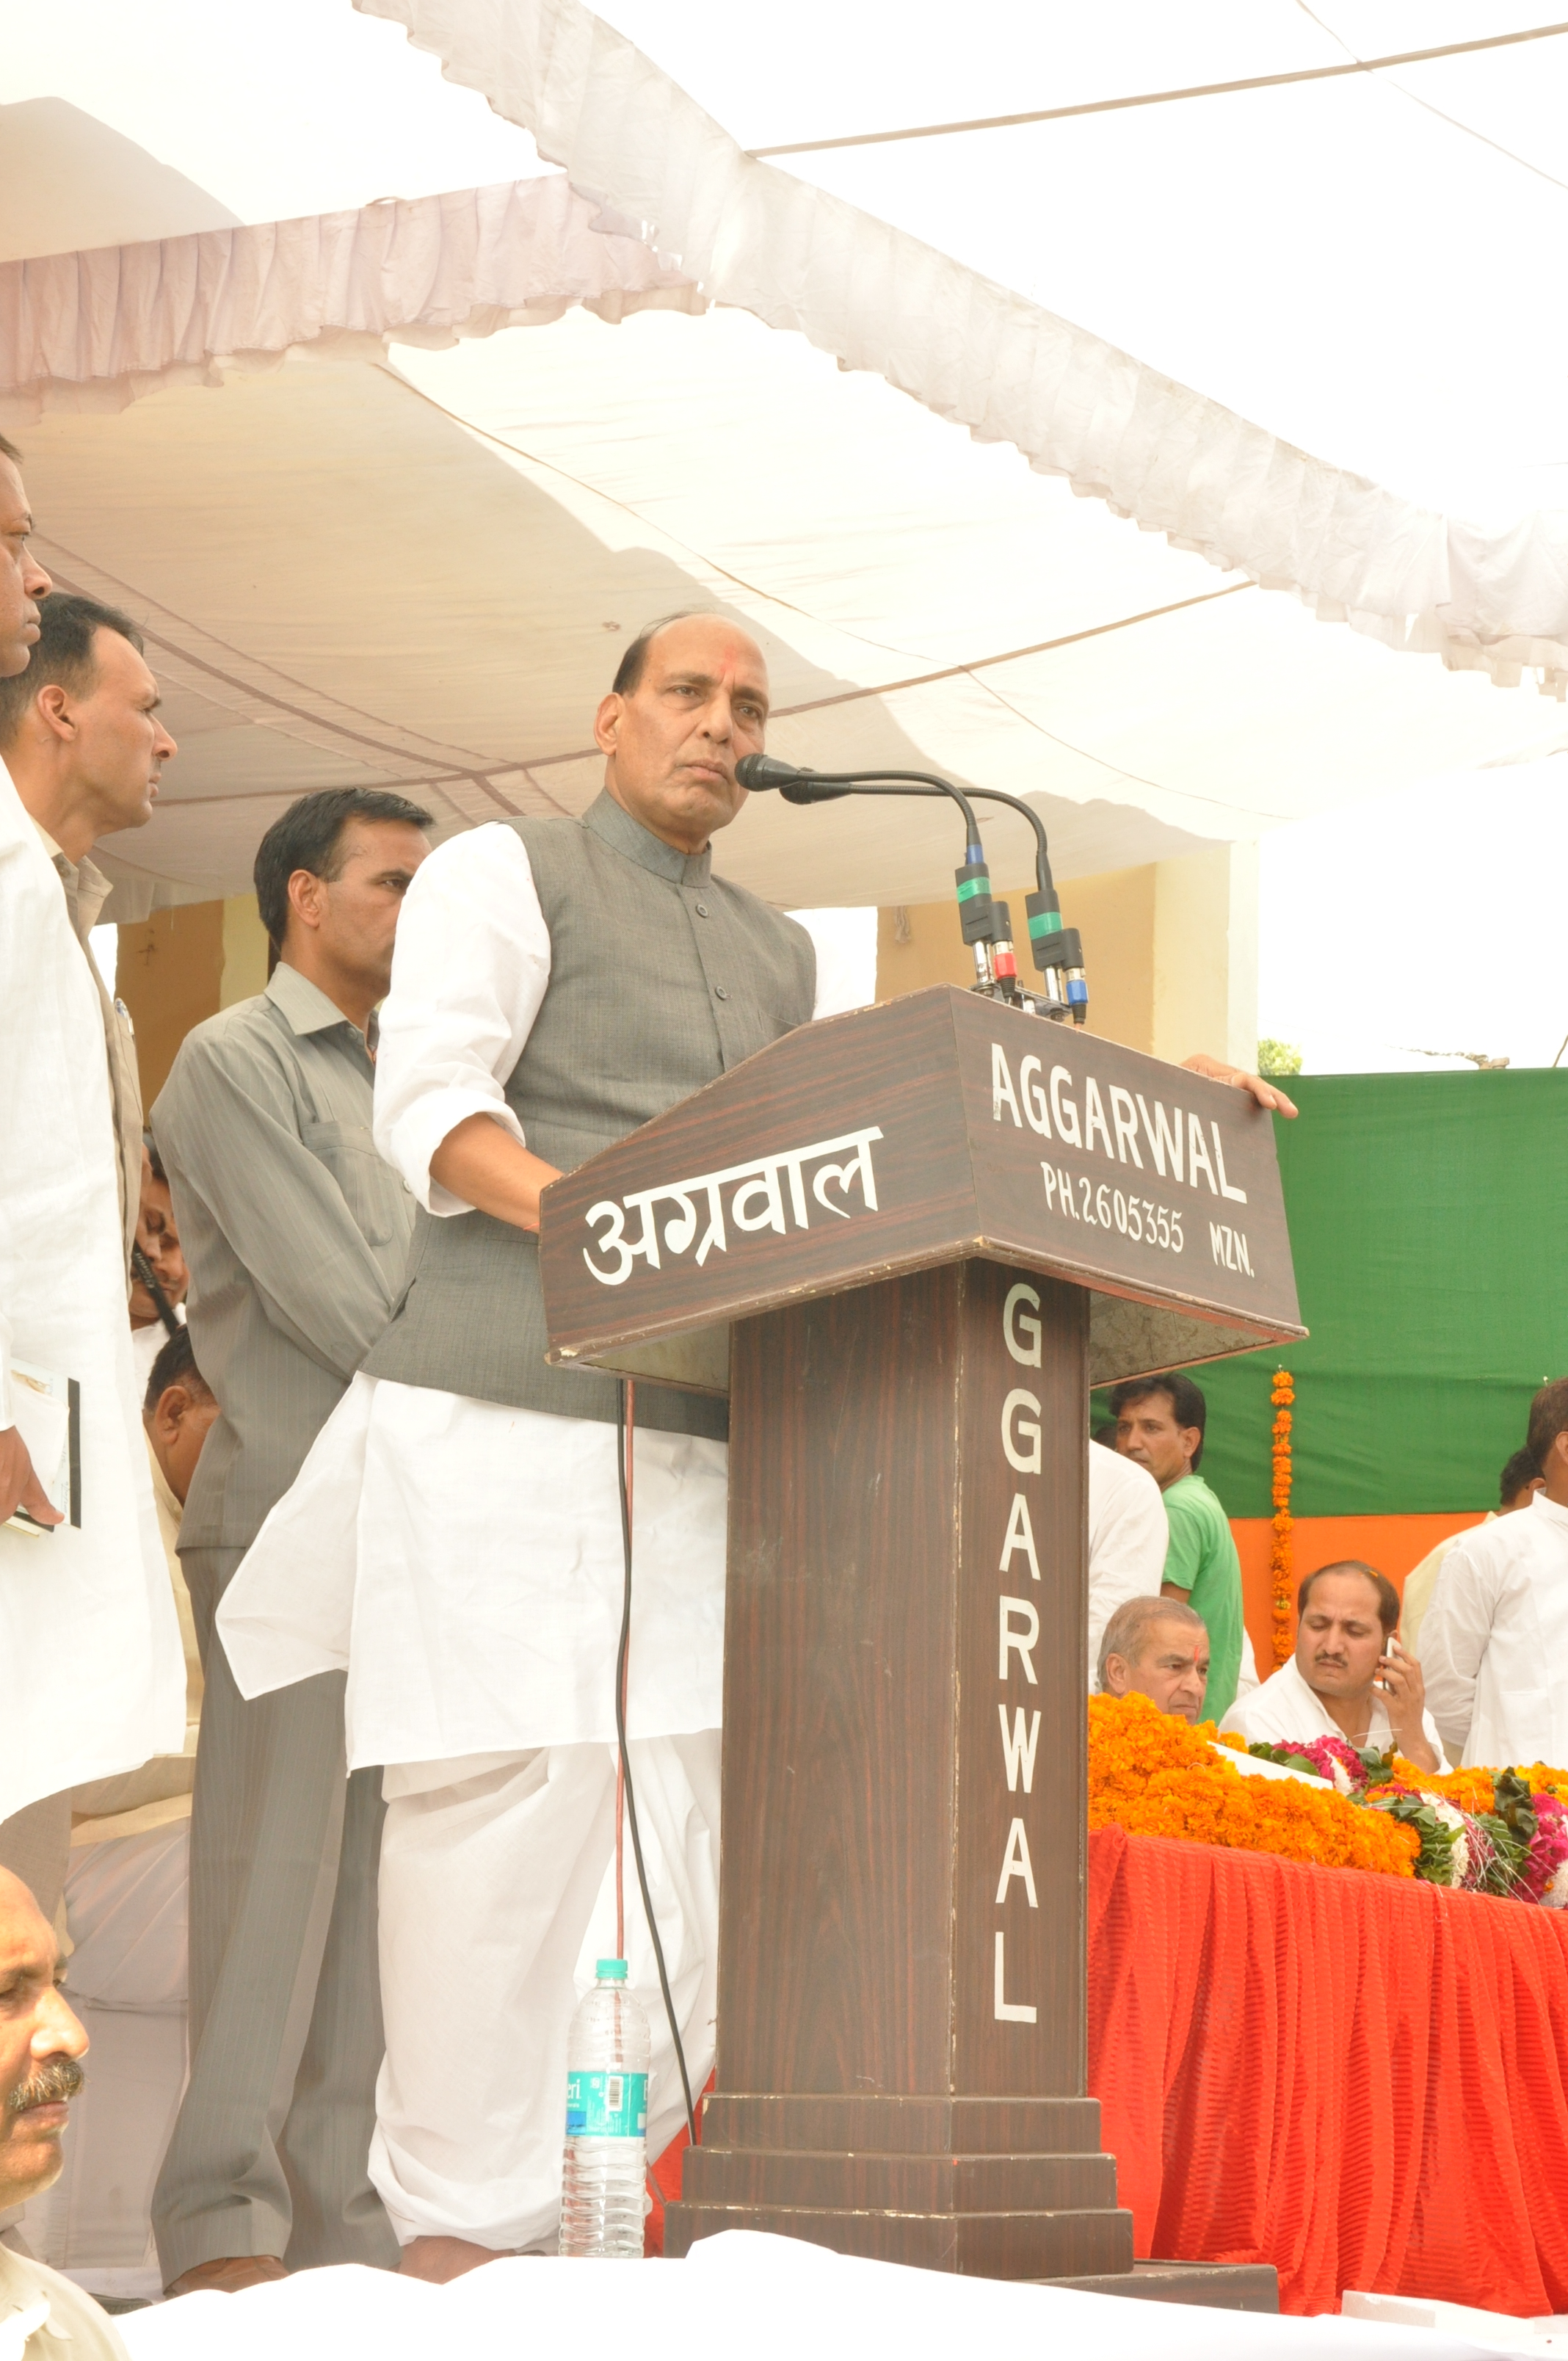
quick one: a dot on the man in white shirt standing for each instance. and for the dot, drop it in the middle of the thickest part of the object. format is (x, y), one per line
(1516, 1488)
(453, 1537)
(82, 747)
(23, 582)
(1127, 1540)
(1345, 1679)
(1495, 1641)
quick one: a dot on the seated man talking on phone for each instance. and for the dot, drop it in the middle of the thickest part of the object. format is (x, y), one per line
(1348, 1678)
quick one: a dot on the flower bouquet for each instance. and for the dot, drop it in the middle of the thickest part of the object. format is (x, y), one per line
(1503, 1832)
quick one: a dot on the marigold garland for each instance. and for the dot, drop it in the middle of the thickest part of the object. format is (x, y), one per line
(1155, 1775)
(1281, 1558)
(1474, 1789)
(1482, 1830)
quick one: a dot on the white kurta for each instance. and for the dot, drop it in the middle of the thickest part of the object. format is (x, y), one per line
(89, 1654)
(499, 1885)
(1127, 1540)
(1287, 1706)
(1494, 1641)
(462, 1559)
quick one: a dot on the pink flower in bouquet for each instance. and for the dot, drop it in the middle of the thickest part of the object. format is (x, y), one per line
(1544, 1875)
(1336, 1759)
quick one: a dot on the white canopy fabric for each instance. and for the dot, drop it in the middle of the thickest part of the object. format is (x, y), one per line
(974, 352)
(98, 330)
(381, 531)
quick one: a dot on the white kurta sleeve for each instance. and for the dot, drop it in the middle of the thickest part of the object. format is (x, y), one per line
(1454, 1632)
(1129, 1536)
(1434, 1740)
(468, 975)
(846, 975)
(1247, 1679)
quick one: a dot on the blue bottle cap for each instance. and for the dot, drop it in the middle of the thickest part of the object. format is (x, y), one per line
(610, 1971)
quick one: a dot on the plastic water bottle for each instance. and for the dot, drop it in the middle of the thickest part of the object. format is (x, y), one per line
(603, 2200)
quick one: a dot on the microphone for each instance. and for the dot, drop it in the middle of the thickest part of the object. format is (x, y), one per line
(976, 913)
(797, 786)
(1056, 950)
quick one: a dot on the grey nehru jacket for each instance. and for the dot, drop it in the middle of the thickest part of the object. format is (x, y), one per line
(661, 977)
(295, 1232)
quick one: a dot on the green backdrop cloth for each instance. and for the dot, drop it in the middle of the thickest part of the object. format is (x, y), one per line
(1433, 1267)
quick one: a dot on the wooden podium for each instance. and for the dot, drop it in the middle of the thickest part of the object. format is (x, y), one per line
(906, 1241)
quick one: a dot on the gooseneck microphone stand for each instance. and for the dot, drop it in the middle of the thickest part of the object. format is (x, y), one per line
(1056, 950)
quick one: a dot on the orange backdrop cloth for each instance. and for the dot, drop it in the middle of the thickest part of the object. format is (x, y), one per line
(1395, 1545)
(1362, 2080)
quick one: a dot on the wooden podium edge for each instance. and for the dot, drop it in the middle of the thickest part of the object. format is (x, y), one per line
(589, 1351)
(980, 1239)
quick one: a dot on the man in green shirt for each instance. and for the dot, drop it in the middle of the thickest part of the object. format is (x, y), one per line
(1160, 1422)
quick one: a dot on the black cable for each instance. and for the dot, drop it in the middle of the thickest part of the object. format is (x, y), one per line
(142, 1269)
(1042, 878)
(626, 1757)
(825, 786)
(919, 783)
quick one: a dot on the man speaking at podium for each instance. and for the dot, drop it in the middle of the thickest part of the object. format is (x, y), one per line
(453, 1537)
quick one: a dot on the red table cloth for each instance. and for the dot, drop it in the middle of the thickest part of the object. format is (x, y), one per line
(1361, 2080)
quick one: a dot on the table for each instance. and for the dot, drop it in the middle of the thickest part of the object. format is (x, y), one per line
(1361, 2080)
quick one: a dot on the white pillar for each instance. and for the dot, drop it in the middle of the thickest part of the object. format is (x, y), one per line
(1205, 955)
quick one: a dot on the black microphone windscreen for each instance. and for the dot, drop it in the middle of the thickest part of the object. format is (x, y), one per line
(756, 770)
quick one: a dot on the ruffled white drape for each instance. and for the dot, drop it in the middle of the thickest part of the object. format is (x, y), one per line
(99, 329)
(974, 352)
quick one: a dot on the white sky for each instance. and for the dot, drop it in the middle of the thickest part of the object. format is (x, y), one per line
(302, 106)
(1429, 921)
(1332, 260)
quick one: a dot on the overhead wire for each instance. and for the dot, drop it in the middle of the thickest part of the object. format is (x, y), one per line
(1170, 97)
(1451, 120)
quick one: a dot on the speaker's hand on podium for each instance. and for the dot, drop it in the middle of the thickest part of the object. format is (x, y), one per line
(1268, 1094)
(489, 1169)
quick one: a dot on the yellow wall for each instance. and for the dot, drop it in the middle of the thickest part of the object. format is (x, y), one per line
(244, 951)
(1169, 949)
(168, 974)
(182, 965)
(1115, 912)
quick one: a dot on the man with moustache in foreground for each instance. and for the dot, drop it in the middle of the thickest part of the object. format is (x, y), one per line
(42, 2316)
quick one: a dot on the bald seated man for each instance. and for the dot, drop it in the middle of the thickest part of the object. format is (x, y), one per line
(42, 2316)
(1160, 1649)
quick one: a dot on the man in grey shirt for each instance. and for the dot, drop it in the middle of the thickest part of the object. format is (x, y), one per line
(297, 1237)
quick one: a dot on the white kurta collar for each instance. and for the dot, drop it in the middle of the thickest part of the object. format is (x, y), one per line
(1550, 1511)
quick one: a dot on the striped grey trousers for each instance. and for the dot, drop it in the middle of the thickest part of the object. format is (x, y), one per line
(270, 2152)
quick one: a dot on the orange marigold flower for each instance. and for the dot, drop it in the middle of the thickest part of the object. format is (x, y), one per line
(1154, 1775)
